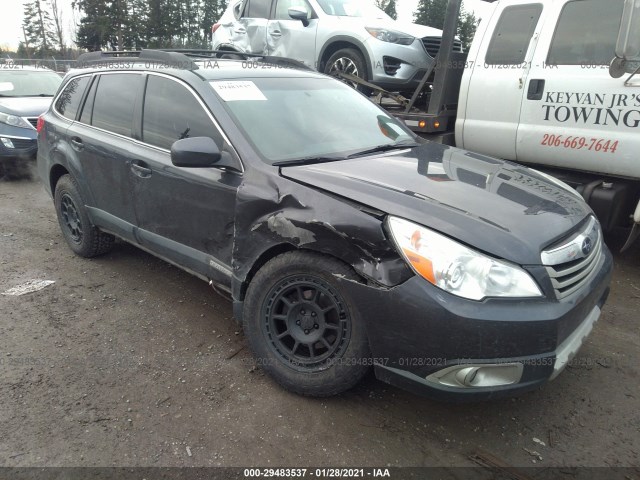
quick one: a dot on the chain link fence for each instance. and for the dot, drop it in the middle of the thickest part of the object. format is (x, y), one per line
(60, 66)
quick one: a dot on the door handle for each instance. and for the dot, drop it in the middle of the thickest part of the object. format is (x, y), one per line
(140, 170)
(76, 143)
(276, 33)
(536, 89)
(240, 30)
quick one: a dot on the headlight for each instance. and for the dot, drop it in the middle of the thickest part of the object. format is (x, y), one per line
(14, 121)
(456, 268)
(391, 36)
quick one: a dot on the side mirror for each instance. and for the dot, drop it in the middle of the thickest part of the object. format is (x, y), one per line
(196, 152)
(299, 13)
(628, 44)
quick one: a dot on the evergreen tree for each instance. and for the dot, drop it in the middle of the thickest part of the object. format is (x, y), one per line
(212, 10)
(38, 28)
(388, 7)
(136, 24)
(95, 31)
(431, 13)
(467, 28)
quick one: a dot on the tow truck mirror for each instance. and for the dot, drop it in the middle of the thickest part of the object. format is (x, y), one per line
(298, 13)
(628, 45)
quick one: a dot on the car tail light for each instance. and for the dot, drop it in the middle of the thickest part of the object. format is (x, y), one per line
(215, 27)
(40, 124)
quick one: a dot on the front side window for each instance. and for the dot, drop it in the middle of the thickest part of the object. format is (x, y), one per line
(283, 6)
(257, 9)
(306, 118)
(586, 33)
(172, 113)
(114, 103)
(69, 100)
(513, 34)
(352, 8)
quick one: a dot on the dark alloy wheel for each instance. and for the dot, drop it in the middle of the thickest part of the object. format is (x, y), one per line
(306, 322)
(71, 218)
(302, 325)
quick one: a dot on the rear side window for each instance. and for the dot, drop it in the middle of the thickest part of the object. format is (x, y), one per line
(512, 35)
(171, 113)
(257, 9)
(586, 33)
(114, 103)
(87, 110)
(69, 100)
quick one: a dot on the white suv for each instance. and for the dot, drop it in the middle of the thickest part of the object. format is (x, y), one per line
(330, 36)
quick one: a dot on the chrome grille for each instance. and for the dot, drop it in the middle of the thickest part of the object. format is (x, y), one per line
(572, 264)
(33, 122)
(432, 45)
(22, 144)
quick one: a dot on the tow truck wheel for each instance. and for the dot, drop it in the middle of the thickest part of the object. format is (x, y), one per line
(302, 326)
(350, 61)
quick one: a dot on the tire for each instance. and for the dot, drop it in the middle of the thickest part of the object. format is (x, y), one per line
(348, 60)
(296, 298)
(82, 237)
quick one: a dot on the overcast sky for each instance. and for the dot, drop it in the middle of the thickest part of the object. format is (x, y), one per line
(12, 14)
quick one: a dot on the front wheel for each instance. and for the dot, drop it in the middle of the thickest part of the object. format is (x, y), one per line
(303, 328)
(349, 61)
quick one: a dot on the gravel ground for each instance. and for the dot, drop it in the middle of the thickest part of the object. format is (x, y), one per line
(128, 361)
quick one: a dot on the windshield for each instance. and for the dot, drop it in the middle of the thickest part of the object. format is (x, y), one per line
(29, 83)
(288, 119)
(352, 8)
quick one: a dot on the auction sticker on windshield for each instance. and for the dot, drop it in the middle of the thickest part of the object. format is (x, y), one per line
(233, 90)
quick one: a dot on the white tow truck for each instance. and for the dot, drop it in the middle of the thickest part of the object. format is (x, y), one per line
(553, 84)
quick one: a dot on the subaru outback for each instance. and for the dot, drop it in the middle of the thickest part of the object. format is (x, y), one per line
(344, 241)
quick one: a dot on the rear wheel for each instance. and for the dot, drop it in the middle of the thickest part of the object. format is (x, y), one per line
(82, 237)
(349, 61)
(303, 328)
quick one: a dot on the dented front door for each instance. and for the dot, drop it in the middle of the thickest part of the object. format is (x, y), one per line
(250, 31)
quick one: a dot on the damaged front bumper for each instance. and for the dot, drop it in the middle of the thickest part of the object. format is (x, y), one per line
(435, 344)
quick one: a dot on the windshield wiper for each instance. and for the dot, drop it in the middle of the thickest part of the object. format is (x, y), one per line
(384, 148)
(308, 161)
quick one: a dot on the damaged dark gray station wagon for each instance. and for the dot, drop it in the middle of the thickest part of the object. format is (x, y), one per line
(344, 240)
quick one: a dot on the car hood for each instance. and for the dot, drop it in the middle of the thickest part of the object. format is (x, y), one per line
(25, 106)
(501, 208)
(415, 30)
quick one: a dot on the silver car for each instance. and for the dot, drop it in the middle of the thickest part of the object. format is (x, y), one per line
(331, 36)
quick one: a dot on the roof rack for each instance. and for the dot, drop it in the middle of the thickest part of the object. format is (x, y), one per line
(183, 59)
(218, 54)
(169, 58)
